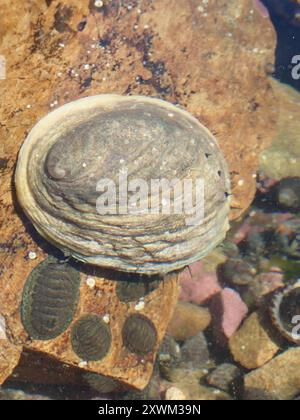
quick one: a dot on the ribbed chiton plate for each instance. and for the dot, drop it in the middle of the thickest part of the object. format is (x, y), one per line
(107, 147)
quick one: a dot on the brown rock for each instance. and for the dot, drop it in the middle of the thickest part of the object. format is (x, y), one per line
(251, 345)
(279, 379)
(188, 320)
(46, 66)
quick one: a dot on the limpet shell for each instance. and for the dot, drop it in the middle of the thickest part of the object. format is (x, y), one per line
(139, 334)
(103, 137)
(50, 299)
(90, 338)
(285, 312)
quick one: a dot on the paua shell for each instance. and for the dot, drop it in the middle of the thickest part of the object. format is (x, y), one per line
(132, 287)
(139, 334)
(105, 137)
(91, 338)
(50, 299)
(285, 312)
(101, 383)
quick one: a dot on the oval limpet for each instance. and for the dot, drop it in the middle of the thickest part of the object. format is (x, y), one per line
(285, 312)
(50, 299)
(97, 153)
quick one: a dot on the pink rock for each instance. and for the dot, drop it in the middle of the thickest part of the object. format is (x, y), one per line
(261, 8)
(198, 285)
(228, 311)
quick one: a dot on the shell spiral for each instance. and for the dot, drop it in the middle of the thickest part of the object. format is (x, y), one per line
(74, 148)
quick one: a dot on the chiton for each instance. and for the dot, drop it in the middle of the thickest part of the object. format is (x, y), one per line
(139, 334)
(91, 338)
(90, 177)
(50, 299)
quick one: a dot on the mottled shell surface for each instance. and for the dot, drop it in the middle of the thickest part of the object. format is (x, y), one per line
(81, 143)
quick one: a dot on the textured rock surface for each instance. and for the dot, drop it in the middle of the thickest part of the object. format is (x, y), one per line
(282, 158)
(188, 320)
(251, 345)
(279, 379)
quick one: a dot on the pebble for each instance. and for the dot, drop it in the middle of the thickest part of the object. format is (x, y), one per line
(288, 194)
(279, 379)
(194, 352)
(251, 345)
(168, 356)
(198, 285)
(188, 319)
(2, 328)
(224, 377)
(228, 311)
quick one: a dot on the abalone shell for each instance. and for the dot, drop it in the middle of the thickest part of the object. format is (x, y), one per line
(103, 138)
(50, 299)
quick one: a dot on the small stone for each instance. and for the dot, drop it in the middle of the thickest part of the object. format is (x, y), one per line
(224, 377)
(279, 379)
(174, 393)
(228, 311)
(194, 352)
(168, 356)
(266, 283)
(188, 320)
(251, 345)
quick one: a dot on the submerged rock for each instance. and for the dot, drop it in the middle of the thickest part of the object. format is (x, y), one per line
(188, 320)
